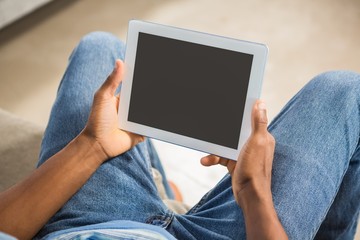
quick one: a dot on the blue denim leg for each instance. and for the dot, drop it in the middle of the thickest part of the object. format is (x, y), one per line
(315, 174)
(342, 218)
(315, 171)
(123, 187)
(317, 143)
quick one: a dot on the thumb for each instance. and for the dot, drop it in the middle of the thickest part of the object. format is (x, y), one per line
(114, 79)
(259, 117)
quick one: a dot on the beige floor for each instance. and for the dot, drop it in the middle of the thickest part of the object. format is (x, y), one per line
(304, 37)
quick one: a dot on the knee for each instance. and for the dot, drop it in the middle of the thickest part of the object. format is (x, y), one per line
(100, 43)
(337, 84)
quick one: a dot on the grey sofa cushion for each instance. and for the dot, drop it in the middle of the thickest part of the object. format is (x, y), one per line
(11, 10)
(19, 148)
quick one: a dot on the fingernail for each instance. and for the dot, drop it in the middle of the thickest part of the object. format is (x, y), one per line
(116, 66)
(261, 106)
(262, 112)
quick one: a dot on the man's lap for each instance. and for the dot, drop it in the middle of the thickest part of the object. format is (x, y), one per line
(123, 188)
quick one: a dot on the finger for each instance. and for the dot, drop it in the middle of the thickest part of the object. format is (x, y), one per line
(132, 137)
(137, 138)
(211, 160)
(259, 117)
(113, 81)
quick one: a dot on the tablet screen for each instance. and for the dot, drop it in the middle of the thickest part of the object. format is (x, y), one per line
(189, 89)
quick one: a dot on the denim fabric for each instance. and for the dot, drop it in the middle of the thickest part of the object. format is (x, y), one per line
(123, 225)
(315, 182)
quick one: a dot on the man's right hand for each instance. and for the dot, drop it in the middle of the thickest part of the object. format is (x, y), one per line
(254, 164)
(251, 179)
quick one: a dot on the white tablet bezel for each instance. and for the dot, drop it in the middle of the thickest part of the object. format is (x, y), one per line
(259, 52)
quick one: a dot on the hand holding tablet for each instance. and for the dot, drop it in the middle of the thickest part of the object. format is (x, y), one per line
(189, 88)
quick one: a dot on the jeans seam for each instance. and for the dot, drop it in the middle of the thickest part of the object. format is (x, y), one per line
(199, 204)
(164, 220)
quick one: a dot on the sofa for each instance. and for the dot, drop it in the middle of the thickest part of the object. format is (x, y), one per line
(12, 10)
(19, 149)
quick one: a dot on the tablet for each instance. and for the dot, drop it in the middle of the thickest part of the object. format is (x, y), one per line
(189, 88)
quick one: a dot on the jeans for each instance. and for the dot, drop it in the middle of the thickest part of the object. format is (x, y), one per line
(316, 169)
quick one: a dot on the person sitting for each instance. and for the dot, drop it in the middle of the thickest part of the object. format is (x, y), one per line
(94, 181)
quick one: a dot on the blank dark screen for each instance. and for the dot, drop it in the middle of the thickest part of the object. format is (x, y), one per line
(189, 89)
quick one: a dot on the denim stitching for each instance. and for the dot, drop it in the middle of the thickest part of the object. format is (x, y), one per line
(161, 220)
